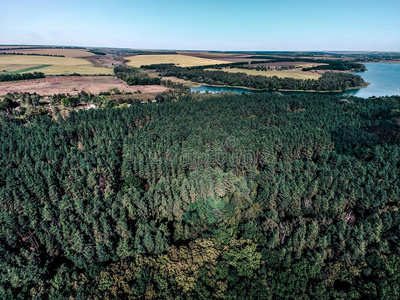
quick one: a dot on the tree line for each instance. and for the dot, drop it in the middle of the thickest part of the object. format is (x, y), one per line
(339, 66)
(134, 77)
(329, 64)
(23, 76)
(37, 54)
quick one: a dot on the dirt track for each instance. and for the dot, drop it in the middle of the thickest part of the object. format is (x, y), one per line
(74, 84)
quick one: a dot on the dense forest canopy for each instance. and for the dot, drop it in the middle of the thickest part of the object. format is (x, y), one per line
(227, 196)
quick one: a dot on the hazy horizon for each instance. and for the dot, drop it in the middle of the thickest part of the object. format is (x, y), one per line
(209, 25)
(197, 50)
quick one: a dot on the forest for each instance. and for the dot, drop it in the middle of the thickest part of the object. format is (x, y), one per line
(134, 77)
(340, 66)
(224, 196)
(328, 82)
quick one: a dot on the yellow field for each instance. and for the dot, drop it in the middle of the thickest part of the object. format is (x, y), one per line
(294, 73)
(12, 67)
(211, 54)
(177, 59)
(65, 52)
(58, 65)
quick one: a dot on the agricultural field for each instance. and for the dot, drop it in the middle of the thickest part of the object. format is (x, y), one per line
(177, 59)
(49, 65)
(50, 51)
(75, 84)
(227, 57)
(294, 73)
(29, 69)
(5, 47)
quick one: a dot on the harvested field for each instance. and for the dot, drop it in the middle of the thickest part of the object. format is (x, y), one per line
(295, 73)
(5, 47)
(57, 65)
(177, 59)
(226, 57)
(65, 52)
(74, 84)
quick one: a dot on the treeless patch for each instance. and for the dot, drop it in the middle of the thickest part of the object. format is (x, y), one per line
(74, 84)
(177, 59)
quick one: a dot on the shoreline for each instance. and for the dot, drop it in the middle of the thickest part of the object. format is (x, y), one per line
(382, 62)
(281, 90)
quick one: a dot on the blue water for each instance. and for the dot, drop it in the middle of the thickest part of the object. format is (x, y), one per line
(384, 80)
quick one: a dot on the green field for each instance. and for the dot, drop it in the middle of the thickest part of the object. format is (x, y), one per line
(53, 65)
(28, 69)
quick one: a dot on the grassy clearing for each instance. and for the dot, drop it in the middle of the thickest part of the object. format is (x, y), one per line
(55, 65)
(295, 73)
(177, 59)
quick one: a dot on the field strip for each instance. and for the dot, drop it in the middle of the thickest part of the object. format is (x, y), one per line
(28, 69)
(54, 65)
(177, 59)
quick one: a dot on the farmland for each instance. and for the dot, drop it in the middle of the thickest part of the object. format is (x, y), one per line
(52, 51)
(177, 59)
(35, 68)
(74, 84)
(226, 57)
(56, 65)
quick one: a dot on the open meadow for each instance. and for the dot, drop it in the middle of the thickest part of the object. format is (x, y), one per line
(177, 59)
(49, 65)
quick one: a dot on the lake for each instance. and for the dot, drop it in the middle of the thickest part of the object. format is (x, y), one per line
(384, 79)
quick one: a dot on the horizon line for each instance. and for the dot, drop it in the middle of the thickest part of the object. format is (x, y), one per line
(194, 50)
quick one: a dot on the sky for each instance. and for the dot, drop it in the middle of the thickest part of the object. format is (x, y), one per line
(279, 25)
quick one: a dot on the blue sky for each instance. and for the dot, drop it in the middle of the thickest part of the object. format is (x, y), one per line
(204, 25)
